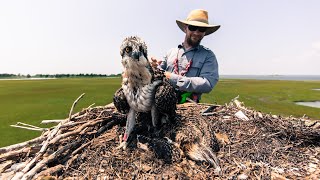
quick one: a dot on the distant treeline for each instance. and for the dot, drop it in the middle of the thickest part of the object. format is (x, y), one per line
(6, 75)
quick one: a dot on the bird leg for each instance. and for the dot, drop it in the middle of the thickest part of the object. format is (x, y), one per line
(131, 121)
(164, 119)
(154, 115)
(155, 121)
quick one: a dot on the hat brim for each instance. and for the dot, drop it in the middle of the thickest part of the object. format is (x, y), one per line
(210, 28)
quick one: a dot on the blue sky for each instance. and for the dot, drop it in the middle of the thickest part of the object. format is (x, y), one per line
(82, 36)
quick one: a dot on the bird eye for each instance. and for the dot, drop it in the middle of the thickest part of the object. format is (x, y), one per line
(128, 49)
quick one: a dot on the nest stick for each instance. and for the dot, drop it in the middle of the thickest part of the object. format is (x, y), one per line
(45, 161)
(74, 104)
(50, 171)
(28, 125)
(61, 136)
(29, 128)
(13, 154)
(51, 121)
(22, 145)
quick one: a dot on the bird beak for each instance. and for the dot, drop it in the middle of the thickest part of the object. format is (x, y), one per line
(136, 55)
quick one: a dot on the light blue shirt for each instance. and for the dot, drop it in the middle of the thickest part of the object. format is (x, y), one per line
(202, 75)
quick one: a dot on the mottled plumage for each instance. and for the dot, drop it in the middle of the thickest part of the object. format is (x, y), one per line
(162, 148)
(143, 89)
(146, 94)
(196, 138)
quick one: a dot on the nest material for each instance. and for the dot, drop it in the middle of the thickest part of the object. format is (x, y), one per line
(253, 145)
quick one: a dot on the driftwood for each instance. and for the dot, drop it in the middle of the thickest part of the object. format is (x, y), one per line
(253, 145)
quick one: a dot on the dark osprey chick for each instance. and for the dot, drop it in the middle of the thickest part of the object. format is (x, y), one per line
(142, 90)
(162, 148)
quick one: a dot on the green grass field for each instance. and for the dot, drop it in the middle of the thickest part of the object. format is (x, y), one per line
(31, 101)
(269, 96)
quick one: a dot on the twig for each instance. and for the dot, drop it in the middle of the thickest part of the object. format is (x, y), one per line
(88, 124)
(13, 154)
(52, 121)
(79, 116)
(50, 171)
(45, 161)
(208, 114)
(70, 161)
(29, 128)
(5, 165)
(72, 124)
(192, 101)
(91, 105)
(110, 105)
(21, 145)
(45, 145)
(74, 104)
(28, 125)
(210, 108)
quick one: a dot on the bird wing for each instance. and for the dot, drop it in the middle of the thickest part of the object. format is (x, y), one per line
(161, 148)
(120, 101)
(165, 98)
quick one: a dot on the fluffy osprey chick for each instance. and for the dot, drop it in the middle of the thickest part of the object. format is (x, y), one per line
(142, 90)
(162, 148)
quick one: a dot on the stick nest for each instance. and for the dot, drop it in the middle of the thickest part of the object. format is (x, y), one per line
(253, 145)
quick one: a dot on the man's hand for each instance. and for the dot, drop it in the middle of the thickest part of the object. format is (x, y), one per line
(155, 62)
(167, 74)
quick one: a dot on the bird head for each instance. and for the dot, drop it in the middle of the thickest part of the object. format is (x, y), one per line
(134, 50)
(137, 69)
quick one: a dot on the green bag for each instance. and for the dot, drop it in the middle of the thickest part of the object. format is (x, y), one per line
(184, 97)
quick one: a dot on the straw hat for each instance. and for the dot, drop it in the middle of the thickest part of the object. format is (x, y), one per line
(198, 17)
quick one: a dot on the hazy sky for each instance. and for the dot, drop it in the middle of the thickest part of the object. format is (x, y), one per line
(82, 36)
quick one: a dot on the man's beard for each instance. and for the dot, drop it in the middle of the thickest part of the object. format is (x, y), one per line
(193, 43)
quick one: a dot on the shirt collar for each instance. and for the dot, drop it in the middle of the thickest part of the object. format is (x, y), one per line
(194, 48)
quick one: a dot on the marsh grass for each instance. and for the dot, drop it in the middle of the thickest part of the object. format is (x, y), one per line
(31, 101)
(269, 96)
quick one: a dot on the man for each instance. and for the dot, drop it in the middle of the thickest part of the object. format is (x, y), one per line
(191, 67)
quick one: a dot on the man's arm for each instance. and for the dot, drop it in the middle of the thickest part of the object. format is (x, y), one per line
(206, 81)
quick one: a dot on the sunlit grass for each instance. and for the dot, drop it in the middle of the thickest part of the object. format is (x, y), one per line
(269, 96)
(31, 101)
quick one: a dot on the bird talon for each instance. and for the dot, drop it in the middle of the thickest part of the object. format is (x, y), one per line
(122, 145)
(217, 170)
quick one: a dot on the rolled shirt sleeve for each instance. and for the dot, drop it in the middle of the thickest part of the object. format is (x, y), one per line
(203, 83)
(203, 74)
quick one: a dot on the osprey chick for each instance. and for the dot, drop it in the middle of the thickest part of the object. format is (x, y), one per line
(142, 90)
(162, 148)
(196, 138)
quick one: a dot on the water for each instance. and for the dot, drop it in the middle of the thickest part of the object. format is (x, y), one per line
(315, 104)
(274, 77)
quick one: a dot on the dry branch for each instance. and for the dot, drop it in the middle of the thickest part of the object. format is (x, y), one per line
(50, 171)
(22, 145)
(29, 128)
(74, 104)
(42, 163)
(51, 121)
(5, 165)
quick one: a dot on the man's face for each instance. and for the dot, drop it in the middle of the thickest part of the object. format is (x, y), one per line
(194, 34)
